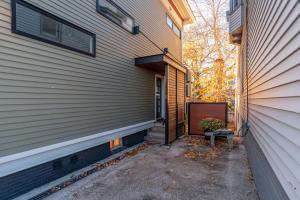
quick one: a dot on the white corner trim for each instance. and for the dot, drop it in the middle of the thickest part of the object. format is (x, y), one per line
(24, 160)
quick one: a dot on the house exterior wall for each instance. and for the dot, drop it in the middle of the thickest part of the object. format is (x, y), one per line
(270, 67)
(51, 95)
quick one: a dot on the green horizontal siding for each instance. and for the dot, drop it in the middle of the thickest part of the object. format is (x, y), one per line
(50, 94)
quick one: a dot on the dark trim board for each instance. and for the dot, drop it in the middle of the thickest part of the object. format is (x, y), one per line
(267, 184)
(159, 58)
(158, 61)
(43, 12)
(19, 183)
(134, 139)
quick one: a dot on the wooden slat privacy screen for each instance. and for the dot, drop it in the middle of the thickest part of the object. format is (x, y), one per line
(200, 111)
(172, 104)
(180, 102)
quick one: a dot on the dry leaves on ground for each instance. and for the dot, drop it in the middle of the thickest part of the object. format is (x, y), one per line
(201, 148)
(191, 154)
(97, 167)
(128, 154)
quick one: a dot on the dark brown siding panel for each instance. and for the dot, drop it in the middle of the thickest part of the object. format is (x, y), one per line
(180, 96)
(180, 102)
(200, 111)
(172, 104)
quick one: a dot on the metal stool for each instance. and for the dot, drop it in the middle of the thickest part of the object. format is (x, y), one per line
(221, 133)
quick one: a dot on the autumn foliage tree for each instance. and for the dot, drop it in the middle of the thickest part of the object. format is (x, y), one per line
(207, 52)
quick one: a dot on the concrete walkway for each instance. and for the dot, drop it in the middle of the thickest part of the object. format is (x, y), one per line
(187, 170)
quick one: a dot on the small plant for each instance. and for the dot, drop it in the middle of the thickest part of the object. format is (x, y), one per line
(211, 124)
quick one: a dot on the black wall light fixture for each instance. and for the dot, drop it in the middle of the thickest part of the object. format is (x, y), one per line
(136, 30)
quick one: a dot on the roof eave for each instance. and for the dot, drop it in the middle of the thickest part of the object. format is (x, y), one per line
(186, 11)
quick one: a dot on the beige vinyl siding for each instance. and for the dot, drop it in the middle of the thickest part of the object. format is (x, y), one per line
(236, 19)
(50, 94)
(273, 60)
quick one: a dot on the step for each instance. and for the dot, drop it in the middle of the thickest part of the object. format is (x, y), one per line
(159, 124)
(156, 134)
(155, 139)
(158, 129)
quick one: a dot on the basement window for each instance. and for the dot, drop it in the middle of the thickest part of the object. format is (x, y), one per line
(35, 23)
(115, 144)
(114, 13)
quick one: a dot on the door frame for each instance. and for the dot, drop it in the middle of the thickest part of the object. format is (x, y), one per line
(163, 111)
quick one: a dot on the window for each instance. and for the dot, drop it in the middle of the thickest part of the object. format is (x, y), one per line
(188, 76)
(169, 22)
(176, 30)
(114, 13)
(172, 25)
(35, 23)
(49, 27)
(188, 90)
(115, 144)
(234, 4)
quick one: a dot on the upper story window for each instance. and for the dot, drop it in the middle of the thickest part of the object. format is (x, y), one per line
(49, 27)
(169, 22)
(114, 13)
(234, 4)
(176, 30)
(35, 23)
(173, 26)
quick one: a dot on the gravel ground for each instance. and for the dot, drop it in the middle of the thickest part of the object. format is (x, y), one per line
(187, 170)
